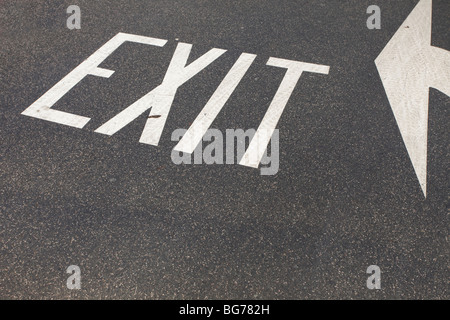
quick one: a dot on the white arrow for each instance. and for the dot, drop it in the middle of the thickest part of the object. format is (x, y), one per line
(408, 67)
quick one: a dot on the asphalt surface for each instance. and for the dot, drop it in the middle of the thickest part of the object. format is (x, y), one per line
(140, 227)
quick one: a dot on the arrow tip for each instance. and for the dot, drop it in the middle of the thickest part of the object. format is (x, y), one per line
(405, 66)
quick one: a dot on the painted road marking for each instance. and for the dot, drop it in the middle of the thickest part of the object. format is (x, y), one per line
(201, 124)
(259, 143)
(160, 99)
(41, 108)
(408, 67)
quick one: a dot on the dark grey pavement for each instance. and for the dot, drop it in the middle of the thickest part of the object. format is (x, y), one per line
(140, 227)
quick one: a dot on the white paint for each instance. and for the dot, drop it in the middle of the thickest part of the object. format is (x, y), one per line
(41, 108)
(258, 145)
(160, 99)
(204, 120)
(408, 66)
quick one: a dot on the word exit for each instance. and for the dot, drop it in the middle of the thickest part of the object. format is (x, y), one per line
(159, 100)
